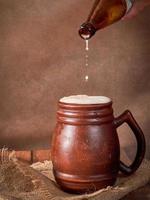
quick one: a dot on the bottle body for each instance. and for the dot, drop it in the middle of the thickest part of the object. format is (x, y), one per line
(103, 14)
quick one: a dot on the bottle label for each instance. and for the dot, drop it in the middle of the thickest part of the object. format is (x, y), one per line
(129, 4)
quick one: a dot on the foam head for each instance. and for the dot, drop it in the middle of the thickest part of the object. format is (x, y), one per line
(84, 99)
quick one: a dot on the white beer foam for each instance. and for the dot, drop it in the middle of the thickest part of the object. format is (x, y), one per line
(84, 99)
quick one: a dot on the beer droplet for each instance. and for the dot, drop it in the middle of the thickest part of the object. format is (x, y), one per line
(86, 78)
(87, 45)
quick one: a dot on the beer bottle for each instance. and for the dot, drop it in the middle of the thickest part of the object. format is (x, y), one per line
(104, 13)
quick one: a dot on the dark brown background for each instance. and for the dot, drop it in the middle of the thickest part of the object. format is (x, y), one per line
(42, 59)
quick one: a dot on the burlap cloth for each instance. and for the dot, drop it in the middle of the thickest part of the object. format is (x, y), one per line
(21, 182)
(123, 186)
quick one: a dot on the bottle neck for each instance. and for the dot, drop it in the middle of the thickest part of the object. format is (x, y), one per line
(104, 15)
(86, 31)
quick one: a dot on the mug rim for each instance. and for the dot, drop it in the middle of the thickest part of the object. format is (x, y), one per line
(77, 101)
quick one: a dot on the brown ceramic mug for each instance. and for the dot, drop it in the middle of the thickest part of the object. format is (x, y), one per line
(85, 145)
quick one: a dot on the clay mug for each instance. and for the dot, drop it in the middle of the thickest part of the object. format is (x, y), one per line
(85, 144)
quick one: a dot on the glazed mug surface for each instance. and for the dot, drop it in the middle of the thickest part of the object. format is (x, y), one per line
(85, 145)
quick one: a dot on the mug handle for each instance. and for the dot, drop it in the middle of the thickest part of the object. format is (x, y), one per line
(129, 119)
